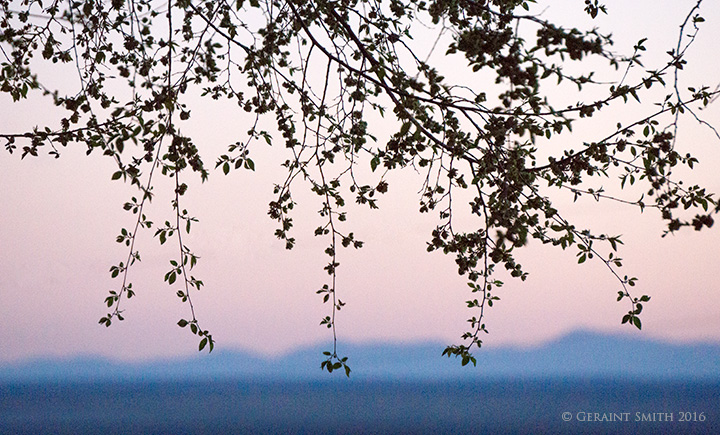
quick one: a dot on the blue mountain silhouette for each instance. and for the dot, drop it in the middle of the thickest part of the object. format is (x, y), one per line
(580, 354)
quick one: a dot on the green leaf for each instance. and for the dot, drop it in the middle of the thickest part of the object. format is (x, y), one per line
(636, 322)
(374, 162)
(182, 323)
(202, 344)
(116, 175)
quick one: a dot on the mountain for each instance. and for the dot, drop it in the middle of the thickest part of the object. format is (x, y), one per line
(577, 355)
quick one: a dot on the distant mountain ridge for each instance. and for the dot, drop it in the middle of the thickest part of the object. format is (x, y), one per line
(580, 354)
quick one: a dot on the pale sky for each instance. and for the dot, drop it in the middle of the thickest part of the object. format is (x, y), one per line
(59, 219)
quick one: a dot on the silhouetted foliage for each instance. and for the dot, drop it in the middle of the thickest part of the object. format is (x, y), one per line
(469, 88)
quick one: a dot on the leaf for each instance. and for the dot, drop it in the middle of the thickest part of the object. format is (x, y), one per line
(374, 162)
(116, 175)
(202, 344)
(636, 322)
(182, 323)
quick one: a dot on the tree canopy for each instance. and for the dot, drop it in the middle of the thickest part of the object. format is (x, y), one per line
(480, 97)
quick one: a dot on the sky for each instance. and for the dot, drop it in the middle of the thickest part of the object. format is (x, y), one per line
(59, 219)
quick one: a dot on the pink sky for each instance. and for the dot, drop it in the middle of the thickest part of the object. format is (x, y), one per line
(60, 218)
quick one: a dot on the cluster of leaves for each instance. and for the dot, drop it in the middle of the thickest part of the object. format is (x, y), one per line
(323, 70)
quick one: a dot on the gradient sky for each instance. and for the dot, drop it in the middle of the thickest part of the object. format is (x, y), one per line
(59, 219)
